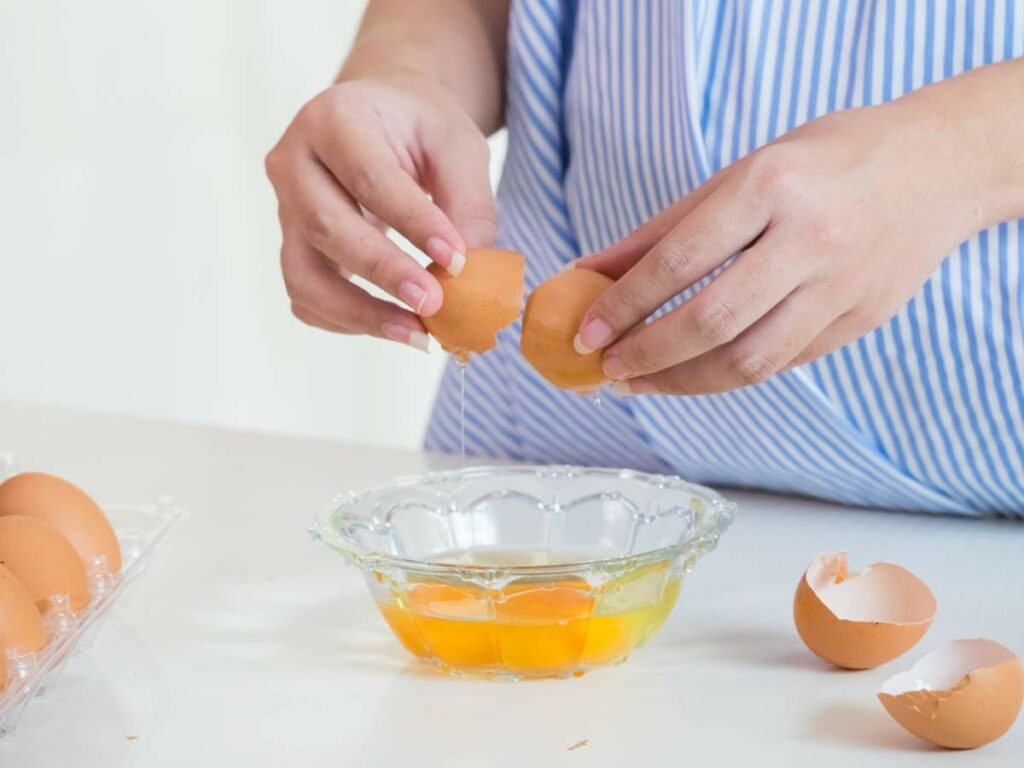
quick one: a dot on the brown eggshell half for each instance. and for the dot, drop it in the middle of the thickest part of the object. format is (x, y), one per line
(3, 670)
(43, 560)
(551, 321)
(861, 620)
(963, 695)
(484, 298)
(21, 625)
(67, 508)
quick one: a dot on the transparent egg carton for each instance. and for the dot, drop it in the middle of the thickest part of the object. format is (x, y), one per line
(141, 529)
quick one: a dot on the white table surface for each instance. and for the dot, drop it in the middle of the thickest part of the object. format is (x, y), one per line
(246, 644)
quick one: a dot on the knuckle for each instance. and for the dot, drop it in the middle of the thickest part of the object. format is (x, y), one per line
(362, 182)
(643, 355)
(272, 164)
(294, 286)
(770, 173)
(825, 233)
(319, 228)
(714, 321)
(675, 263)
(416, 219)
(376, 271)
(750, 368)
(480, 216)
(671, 384)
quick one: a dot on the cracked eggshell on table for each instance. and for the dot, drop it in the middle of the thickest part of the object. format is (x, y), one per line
(963, 695)
(861, 620)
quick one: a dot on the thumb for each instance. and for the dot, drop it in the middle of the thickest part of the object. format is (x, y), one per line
(460, 183)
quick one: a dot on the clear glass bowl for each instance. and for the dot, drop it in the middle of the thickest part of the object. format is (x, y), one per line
(524, 571)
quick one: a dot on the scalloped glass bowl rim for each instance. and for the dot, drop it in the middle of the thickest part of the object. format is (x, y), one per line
(718, 515)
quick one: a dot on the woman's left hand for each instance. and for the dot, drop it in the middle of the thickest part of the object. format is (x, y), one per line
(836, 225)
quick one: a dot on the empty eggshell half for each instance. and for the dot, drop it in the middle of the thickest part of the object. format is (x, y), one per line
(963, 695)
(484, 298)
(861, 620)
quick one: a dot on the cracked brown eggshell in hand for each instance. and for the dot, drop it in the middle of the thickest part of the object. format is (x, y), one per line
(484, 298)
(861, 620)
(554, 311)
(963, 695)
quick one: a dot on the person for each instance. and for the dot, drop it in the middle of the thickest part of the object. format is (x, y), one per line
(811, 210)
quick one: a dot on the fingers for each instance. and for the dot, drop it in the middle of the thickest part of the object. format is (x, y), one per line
(765, 349)
(368, 169)
(747, 290)
(618, 258)
(323, 298)
(839, 333)
(458, 176)
(332, 223)
(726, 221)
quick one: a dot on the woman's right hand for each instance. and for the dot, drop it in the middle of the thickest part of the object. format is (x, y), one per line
(361, 157)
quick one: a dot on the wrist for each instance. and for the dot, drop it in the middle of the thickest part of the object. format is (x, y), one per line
(965, 126)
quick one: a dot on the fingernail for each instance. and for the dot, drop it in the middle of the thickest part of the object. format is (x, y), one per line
(638, 386)
(594, 334)
(440, 251)
(613, 367)
(571, 264)
(412, 294)
(457, 263)
(419, 340)
(403, 335)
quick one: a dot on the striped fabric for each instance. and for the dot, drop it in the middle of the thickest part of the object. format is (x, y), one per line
(616, 108)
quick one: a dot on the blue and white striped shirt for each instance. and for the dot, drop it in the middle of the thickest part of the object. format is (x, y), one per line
(616, 108)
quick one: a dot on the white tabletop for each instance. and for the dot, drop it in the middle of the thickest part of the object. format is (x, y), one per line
(247, 644)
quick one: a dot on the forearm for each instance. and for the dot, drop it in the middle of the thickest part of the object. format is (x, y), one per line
(460, 43)
(976, 122)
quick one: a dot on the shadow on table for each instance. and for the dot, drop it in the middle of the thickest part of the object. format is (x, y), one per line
(744, 645)
(862, 726)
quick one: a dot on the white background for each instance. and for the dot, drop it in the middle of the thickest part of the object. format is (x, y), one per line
(139, 237)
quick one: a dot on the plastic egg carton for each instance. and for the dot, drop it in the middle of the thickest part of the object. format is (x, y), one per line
(141, 530)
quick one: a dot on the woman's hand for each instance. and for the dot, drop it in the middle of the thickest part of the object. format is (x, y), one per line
(363, 156)
(837, 225)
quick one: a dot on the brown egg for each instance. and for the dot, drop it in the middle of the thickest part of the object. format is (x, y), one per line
(21, 625)
(68, 509)
(552, 319)
(43, 560)
(3, 670)
(484, 298)
(963, 695)
(861, 620)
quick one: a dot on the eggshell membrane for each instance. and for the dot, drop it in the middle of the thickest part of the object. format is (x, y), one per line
(67, 508)
(43, 560)
(484, 298)
(861, 620)
(963, 695)
(551, 321)
(21, 625)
